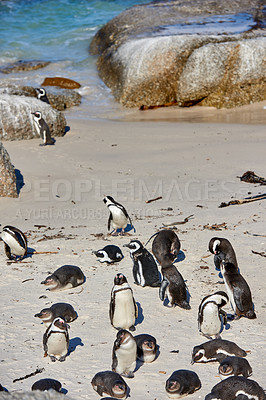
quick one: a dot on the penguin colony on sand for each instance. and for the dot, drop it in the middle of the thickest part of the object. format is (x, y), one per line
(123, 312)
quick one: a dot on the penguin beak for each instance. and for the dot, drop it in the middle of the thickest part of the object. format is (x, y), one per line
(126, 245)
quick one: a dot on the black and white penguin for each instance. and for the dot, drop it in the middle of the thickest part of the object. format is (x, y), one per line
(118, 217)
(222, 250)
(47, 384)
(15, 241)
(234, 366)
(182, 383)
(165, 244)
(123, 310)
(56, 340)
(211, 317)
(110, 383)
(238, 291)
(42, 95)
(173, 286)
(124, 354)
(147, 347)
(65, 277)
(236, 388)
(145, 270)
(42, 129)
(64, 310)
(216, 350)
(109, 254)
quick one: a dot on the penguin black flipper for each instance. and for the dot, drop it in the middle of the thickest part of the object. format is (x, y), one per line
(114, 358)
(238, 298)
(100, 390)
(223, 314)
(8, 252)
(109, 221)
(217, 261)
(165, 282)
(111, 309)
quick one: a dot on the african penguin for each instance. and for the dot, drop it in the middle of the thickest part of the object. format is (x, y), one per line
(47, 384)
(216, 350)
(165, 243)
(109, 254)
(118, 217)
(211, 317)
(110, 383)
(42, 129)
(145, 270)
(222, 250)
(123, 310)
(56, 340)
(64, 310)
(15, 241)
(42, 95)
(234, 366)
(147, 347)
(181, 383)
(236, 387)
(124, 354)
(65, 277)
(173, 286)
(238, 291)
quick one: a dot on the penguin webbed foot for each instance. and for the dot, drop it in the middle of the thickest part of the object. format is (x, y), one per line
(128, 374)
(61, 359)
(132, 328)
(53, 358)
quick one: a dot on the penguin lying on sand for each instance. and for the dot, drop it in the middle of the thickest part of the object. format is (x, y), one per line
(118, 217)
(146, 347)
(145, 270)
(216, 350)
(182, 383)
(65, 277)
(64, 310)
(233, 365)
(110, 383)
(47, 384)
(236, 388)
(16, 244)
(109, 254)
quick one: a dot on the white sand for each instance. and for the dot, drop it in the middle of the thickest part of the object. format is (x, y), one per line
(188, 164)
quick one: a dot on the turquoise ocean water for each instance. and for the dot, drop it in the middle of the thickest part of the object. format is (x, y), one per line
(59, 31)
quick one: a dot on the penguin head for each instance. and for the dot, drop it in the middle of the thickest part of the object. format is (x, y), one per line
(119, 279)
(214, 245)
(172, 386)
(119, 388)
(109, 200)
(61, 324)
(225, 368)
(42, 91)
(123, 336)
(37, 115)
(44, 314)
(197, 353)
(134, 245)
(221, 298)
(148, 345)
(52, 281)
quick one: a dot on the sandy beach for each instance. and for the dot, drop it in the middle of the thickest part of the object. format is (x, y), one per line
(194, 166)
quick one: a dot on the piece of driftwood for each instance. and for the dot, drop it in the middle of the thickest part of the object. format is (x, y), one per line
(243, 201)
(43, 252)
(262, 253)
(251, 177)
(215, 227)
(145, 107)
(37, 371)
(254, 234)
(151, 200)
(185, 220)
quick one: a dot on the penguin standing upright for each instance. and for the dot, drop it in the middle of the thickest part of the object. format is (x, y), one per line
(42, 95)
(56, 340)
(118, 217)
(42, 129)
(238, 291)
(109, 254)
(124, 354)
(145, 270)
(165, 244)
(173, 286)
(16, 244)
(211, 316)
(123, 310)
(222, 250)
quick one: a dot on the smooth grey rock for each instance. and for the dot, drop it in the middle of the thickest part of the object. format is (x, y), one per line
(185, 51)
(8, 187)
(16, 120)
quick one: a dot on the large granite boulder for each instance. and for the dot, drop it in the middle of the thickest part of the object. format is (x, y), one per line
(16, 120)
(60, 99)
(8, 186)
(209, 52)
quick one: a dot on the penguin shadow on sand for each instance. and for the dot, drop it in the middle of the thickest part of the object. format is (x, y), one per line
(180, 257)
(140, 318)
(127, 230)
(73, 344)
(19, 180)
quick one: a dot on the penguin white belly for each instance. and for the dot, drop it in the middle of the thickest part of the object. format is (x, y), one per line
(140, 276)
(176, 395)
(211, 324)
(15, 247)
(37, 128)
(119, 219)
(149, 356)
(230, 295)
(170, 298)
(126, 357)
(57, 345)
(124, 312)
